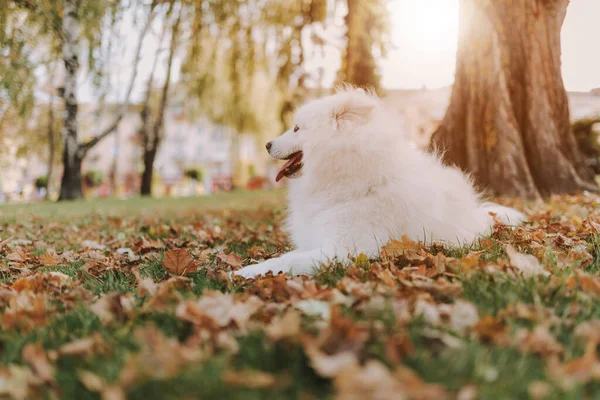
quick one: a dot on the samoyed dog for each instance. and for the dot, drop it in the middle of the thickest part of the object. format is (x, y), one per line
(356, 182)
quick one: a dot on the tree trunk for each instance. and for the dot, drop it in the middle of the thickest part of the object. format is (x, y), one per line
(147, 175)
(51, 147)
(71, 183)
(366, 27)
(152, 137)
(70, 188)
(508, 120)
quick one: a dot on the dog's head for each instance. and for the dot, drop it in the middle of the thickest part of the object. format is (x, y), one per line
(321, 123)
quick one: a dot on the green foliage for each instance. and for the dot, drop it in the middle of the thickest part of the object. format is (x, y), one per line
(94, 178)
(251, 170)
(253, 62)
(41, 182)
(194, 173)
(588, 139)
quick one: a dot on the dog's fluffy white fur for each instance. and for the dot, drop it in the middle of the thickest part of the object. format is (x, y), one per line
(362, 183)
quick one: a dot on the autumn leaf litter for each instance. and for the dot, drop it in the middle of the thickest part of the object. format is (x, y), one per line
(361, 328)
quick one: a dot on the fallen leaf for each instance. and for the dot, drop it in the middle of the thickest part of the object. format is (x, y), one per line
(91, 244)
(230, 259)
(527, 264)
(285, 327)
(219, 310)
(539, 341)
(464, 315)
(314, 308)
(91, 381)
(84, 346)
(113, 306)
(34, 355)
(372, 381)
(179, 262)
(50, 258)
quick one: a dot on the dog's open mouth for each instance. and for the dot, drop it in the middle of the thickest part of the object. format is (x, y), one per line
(292, 167)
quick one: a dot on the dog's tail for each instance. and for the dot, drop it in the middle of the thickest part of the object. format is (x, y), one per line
(506, 215)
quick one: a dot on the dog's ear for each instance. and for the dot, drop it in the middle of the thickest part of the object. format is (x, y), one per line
(356, 108)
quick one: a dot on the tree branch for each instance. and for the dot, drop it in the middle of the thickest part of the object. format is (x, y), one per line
(158, 125)
(85, 147)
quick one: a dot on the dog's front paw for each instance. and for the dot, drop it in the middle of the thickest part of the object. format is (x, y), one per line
(252, 271)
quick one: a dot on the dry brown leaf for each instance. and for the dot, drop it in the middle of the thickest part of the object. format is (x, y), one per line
(372, 381)
(160, 357)
(113, 392)
(113, 306)
(396, 248)
(147, 245)
(463, 315)
(91, 381)
(230, 259)
(490, 329)
(219, 310)
(84, 346)
(146, 286)
(577, 371)
(285, 327)
(538, 390)
(18, 256)
(50, 258)
(539, 341)
(34, 355)
(179, 262)
(27, 310)
(527, 264)
(15, 382)
(43, 282)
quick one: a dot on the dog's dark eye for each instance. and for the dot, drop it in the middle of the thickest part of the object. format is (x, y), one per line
(296, 128)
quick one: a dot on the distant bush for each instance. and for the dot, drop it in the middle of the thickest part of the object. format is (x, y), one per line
(587, 135)
(41, 182)
(251, 170)
(193, 173)
(93, 178)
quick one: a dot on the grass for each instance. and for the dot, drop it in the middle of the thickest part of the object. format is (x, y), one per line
(248, 224)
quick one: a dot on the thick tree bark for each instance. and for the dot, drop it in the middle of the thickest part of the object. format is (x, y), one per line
(508, 120)
(71, 186)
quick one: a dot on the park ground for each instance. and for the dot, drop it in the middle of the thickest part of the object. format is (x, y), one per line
(119, 299)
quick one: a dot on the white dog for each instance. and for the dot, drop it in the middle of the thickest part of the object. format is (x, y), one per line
(358, 183)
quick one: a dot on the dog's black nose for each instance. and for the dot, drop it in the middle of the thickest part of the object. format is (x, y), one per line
(268, 145)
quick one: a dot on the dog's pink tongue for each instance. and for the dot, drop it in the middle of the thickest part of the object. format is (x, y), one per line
(288, 164)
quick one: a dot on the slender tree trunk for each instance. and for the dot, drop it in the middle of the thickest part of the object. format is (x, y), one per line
(71, 186)
(154, 137)
(114, 167)
(508, 120)
(74, 152)
(148, 174)
(51, 147)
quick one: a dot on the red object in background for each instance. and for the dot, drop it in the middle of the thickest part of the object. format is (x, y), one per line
(222, 183)
(258, 183)
(104, 190)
